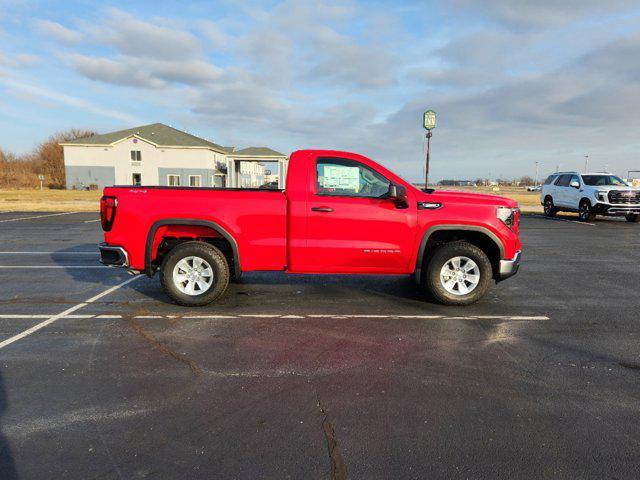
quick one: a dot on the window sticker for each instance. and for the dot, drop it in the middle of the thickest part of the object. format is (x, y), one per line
(341, 177)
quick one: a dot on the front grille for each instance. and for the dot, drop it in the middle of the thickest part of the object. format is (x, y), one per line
(624, 197)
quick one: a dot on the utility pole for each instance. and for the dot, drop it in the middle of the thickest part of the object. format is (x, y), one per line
(426, 170)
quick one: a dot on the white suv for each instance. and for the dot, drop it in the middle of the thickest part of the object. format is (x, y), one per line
(590, 194)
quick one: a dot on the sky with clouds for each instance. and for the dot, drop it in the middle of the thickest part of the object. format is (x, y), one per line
(513, 82)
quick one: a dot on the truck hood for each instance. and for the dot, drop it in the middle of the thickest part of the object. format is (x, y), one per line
(471, 197)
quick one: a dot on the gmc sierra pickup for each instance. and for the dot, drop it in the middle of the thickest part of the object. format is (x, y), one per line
(341, 213)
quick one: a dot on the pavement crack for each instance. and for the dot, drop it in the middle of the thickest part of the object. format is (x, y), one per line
(632, 366)
(338, 466)
(161, 347)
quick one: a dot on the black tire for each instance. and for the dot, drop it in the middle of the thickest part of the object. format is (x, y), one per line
(586, 213)
(550, 209)
(633, 218)
(212, 256)
(442, 255)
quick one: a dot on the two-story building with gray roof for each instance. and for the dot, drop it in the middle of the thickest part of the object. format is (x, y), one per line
(157, 154)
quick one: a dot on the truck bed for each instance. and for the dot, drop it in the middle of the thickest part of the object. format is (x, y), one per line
(258, 218)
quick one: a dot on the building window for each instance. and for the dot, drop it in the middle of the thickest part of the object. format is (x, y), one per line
(137, 179)
(194, 180)
(173, 180)
(136, 156)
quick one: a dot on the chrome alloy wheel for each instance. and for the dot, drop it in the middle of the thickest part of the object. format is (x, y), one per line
(193, 275)
(460, 275)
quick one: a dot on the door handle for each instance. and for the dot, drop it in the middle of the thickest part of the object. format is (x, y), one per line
(322, 209)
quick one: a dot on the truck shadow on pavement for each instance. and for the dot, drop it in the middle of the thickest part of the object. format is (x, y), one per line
(80, 262)
(288, 290)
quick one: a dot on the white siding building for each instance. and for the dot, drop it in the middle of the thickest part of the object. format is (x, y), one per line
(161, 155)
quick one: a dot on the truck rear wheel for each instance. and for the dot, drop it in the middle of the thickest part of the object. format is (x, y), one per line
(194, 274)
(458, 273)
(632, 217)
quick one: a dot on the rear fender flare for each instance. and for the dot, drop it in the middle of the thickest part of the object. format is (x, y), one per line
(148, 253)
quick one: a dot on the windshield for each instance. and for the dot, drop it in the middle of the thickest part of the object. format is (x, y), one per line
(596, 180)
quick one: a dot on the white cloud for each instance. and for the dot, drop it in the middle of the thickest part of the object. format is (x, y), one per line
(115, 72)
(137, 38)
(57, 31)
(544, 14)
(62, 98)
(19, 60)
(144, 72)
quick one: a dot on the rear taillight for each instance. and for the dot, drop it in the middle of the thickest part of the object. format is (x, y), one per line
(108, 207)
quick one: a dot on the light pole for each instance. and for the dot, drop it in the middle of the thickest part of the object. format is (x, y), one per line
(429, 123)
(535, 182)
(586, 163)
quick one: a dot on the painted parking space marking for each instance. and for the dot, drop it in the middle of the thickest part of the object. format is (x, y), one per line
(68, 311)
(91, 221)
(287, 316)
(36, 216)
(557, 219)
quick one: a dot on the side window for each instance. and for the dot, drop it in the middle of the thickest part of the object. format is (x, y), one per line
(574, 178)
(563, 180)
(348, 178)
(550, 179)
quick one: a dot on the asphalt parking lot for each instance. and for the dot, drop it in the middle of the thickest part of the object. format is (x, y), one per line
(319, 377)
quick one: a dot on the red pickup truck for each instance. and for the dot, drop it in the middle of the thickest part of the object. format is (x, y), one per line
(341, 213)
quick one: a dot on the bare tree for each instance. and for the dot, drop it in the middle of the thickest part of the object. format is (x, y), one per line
(526, 180)
(49, 156)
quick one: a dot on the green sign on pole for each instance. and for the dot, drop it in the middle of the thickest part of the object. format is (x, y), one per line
(429, 120)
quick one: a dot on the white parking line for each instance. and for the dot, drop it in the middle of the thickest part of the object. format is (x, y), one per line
(339, 316)
(438, 317)
(37, 216)
(288, 316)
(558, 219)
(68, 311)
(91, 221)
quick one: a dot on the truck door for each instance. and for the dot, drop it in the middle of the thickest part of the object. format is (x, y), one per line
(352, 227)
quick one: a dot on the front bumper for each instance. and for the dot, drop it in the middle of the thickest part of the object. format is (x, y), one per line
(113, 256)
(508, 268)
(616, 209)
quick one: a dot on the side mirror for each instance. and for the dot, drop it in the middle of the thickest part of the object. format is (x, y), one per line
(398, 194)
(575, 184)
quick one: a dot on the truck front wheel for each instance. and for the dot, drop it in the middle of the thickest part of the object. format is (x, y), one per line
(194, 274)
(458, 273)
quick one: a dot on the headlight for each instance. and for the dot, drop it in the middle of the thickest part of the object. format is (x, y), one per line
(600, 195)
(509, 216)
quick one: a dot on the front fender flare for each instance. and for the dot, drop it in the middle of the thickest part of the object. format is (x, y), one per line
(469, 228)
